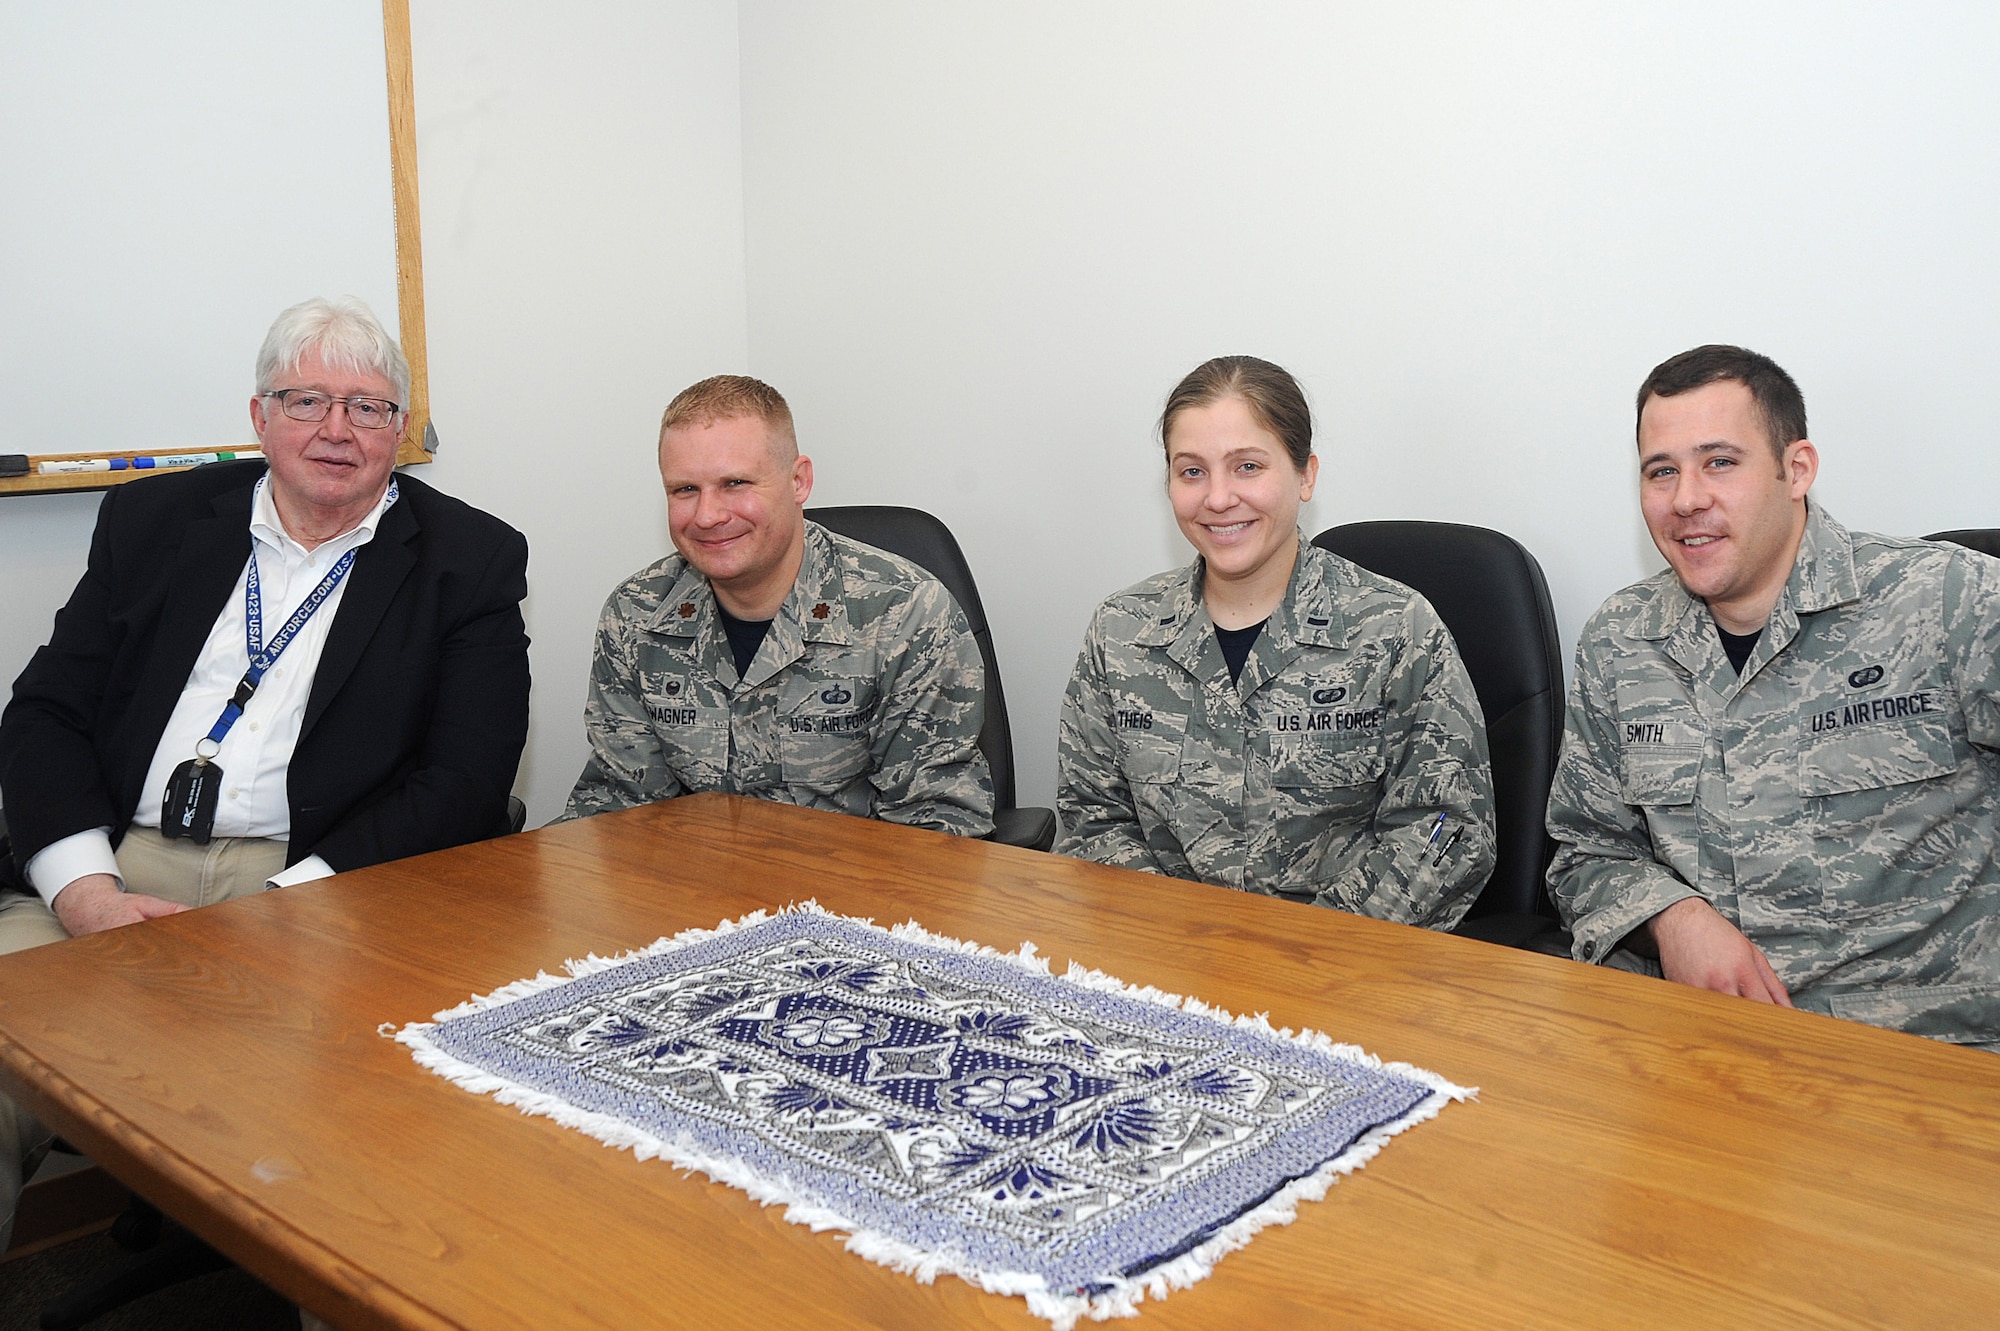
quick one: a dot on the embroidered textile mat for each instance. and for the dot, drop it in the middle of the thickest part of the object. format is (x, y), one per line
(1070, 1139)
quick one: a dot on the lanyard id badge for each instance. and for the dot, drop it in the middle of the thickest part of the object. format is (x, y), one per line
(188, 807)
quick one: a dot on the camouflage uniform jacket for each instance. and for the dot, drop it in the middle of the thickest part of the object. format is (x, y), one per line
(1836, 801)
(865, 697)
(1317, 775)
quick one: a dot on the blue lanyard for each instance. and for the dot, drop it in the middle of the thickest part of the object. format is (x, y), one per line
(263, 655)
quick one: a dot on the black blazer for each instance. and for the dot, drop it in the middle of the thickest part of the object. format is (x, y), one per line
(418, 711)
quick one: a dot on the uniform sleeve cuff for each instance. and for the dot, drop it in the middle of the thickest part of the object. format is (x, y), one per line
(78, 855)
(307, 869)
(1597, 933)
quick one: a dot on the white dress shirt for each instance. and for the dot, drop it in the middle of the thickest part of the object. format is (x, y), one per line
(257, 751)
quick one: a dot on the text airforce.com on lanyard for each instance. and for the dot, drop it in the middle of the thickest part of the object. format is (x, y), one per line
(188, 808)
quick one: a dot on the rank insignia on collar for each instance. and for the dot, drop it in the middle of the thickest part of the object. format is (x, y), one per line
(687, 609)
(821, 611)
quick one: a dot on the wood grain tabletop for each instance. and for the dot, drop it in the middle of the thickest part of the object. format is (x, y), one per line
(1639, 1155)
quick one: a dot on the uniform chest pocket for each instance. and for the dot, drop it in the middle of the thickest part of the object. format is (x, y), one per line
(1307, 763)
(1658, 775)
(1881, 805)
(1877, 758)
(1150, 757)
(829, 761)
(691, 727)
(696, 741)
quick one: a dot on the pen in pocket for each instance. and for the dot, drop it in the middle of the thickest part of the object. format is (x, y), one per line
(1449, 842)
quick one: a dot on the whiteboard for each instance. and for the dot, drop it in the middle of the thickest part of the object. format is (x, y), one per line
(171, 176)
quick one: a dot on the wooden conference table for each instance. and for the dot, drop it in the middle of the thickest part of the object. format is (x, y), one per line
(1640, 1154)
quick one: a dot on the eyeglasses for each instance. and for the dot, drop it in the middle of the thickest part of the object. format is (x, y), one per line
(363, 413)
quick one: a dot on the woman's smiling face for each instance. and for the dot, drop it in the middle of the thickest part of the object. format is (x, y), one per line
(1235, 492)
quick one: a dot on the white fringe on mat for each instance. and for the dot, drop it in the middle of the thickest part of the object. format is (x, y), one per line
(1063, 1310)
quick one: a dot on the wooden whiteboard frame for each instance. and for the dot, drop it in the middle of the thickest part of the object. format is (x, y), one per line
(409, 284)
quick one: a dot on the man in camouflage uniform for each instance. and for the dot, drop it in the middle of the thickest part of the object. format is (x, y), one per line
(773, 658)
(1781, 771)
(1321, 773)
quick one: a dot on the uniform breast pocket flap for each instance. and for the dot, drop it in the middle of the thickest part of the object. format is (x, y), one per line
(1877, 757)
(1150, 758)
(1320, 763)
(825, 758)
(1658, 775)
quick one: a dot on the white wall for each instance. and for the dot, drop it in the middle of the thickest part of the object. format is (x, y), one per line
(986, 239)
(43, 541)
(583, 261)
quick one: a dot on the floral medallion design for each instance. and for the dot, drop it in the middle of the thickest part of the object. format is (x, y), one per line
(823, 1032)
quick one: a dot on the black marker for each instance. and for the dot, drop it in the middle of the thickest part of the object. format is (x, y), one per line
(1449, 842)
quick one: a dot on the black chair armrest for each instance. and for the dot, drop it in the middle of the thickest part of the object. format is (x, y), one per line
(1030, 827)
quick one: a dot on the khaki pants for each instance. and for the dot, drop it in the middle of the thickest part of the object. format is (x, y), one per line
(175, 870)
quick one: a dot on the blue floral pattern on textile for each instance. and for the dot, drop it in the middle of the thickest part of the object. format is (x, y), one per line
(948, 1100)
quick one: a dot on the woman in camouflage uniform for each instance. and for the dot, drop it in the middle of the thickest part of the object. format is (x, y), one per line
(1272, 717)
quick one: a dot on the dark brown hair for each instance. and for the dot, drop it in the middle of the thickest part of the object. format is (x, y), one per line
(1777, 396)
(1273, 396)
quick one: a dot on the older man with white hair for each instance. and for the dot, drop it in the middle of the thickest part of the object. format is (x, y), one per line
(270, 672)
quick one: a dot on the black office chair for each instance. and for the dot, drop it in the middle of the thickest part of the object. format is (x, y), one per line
(162, 1255)
(1986, 540)
(927, 542)
(1491, 594)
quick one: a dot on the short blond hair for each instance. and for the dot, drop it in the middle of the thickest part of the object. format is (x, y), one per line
(725, 397)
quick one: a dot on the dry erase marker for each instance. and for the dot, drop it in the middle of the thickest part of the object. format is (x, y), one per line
(190, 459)
(145, 463)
